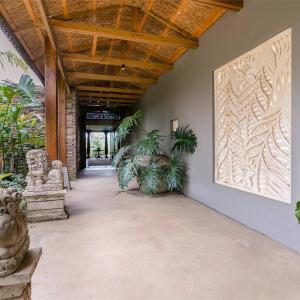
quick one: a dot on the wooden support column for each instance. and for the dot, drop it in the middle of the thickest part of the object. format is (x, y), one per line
(51, 101)
(62, 139)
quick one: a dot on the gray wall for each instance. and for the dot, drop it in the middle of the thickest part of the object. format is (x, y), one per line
(187, 94)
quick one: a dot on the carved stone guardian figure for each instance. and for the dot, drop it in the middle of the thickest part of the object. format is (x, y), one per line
(55, 177)
(38, 166)
(14, 239)
(44, 193)
(17, 263)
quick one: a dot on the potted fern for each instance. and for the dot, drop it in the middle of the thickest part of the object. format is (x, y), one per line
(156, 169)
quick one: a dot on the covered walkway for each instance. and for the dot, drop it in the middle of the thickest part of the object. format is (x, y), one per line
(131, 246)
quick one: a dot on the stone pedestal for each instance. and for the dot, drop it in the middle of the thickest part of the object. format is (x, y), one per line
(17, 286)
(45, 205)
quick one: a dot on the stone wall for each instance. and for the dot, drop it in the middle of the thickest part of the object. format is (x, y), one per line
(72, 134)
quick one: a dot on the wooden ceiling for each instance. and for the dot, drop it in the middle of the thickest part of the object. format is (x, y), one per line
(112, 50)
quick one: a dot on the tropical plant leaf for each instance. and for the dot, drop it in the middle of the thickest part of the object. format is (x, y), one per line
(174, 174)
(127, 124)
(26, 87)
(150, 144)
(149, 177)
(297, 211)
(126, 172)
(119, 155)
(3, 176)
(185, 140)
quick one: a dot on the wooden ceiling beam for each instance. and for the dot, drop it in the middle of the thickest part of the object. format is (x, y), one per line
(203, 28)
(96, 76)
(102, 60)
(178, 11)
(234, 5)
(69, 36)
(109, 89)
(151, 52)
(101, 95)
(51, 34)
(90, 29)
(170, 25)
(33, 17)
(118, 20)
(83, 13)
(95, 38)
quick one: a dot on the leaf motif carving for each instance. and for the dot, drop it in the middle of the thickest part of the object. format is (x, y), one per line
(253, 120)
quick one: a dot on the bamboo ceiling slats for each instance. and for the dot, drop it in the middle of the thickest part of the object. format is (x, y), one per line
(94, 38)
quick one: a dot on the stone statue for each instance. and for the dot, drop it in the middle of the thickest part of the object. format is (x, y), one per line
(14, 239)
(55, 176)
(38, 166)
(40, 177)
(45, 192)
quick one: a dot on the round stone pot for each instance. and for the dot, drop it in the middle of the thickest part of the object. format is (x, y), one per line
(163, 161)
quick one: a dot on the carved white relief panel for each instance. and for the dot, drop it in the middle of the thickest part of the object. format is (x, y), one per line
(253, 120)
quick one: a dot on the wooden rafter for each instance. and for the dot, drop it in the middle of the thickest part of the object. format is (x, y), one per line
(95, 38)
(118, 20)
(140, 25)
(109, 89)
(169, 24)
(179, 10)
(89, 29)
(234, 5)
(151, 52)
(33, 17)
(19, 42)
(51, 34)
(117, 62)
(92, 12)
(202, 28)
(96, 76)
(70, 42)
(103, 95)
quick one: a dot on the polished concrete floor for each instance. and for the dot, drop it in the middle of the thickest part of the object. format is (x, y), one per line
(127, 246)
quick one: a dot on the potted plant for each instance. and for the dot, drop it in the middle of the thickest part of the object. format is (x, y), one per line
(156, 169)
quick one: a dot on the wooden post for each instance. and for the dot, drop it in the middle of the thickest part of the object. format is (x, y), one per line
(50, 101)
(62, 140)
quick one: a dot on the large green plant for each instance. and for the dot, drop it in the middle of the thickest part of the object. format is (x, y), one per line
(20, 129)
(147, 159)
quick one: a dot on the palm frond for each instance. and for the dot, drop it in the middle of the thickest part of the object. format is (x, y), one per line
(119, 155)
(126, 172)
(12, 59)
(174, 174)
(127, 124)
(149, 177)
(3, 176)
(185, 140)
(150, 144)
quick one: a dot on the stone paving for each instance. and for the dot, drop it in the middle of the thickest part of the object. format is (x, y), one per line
(119, 246)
